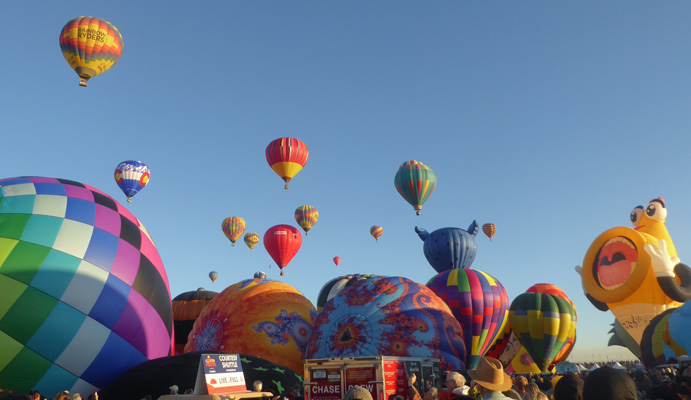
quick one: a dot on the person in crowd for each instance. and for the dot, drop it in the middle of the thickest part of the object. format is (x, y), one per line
(607, 383)
(174, 389)
(455, 384)
(93, 396)
(76, 396)
(257, 385)
(491, 379)
(520, 384)
(569, 387)
(535, 396)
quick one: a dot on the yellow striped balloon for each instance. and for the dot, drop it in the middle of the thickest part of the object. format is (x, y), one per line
(91, 46)
(251, 239)
(233, 228)
(306, 217)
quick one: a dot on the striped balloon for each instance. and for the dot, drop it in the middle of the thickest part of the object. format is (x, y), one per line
(306, 217)
(555, 290)
(91, 46)
(287, 156)
(415, 182)
(376, 231)
(233, 228)
(251, 239)
(480, 304)
(543, 323)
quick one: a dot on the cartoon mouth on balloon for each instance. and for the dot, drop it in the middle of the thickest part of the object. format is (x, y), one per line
(615, 262)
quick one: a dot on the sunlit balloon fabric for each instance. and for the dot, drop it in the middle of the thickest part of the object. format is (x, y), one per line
(448, 248)
(479, 302)
(376, 231)
(335, 285)
(131, 176)
(543, 323)
(269, 319)
(415, 182)
(251, 239)
(233, 228)
(489, 230)
(83, 292)
(186, 308)
(287, 156)
(91, 46)
(282, 242)
(306, 217)
(388, 316)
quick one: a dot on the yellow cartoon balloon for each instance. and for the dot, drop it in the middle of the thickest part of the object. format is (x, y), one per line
(635, 273)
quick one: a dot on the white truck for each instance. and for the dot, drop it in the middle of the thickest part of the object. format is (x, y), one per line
(383, 376)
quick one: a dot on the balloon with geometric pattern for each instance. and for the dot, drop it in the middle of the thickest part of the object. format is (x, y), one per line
(489, 230)
(233, 228)
(131, 176)
(415, 182)
(251, 239)
(306, 217)
(85, 296)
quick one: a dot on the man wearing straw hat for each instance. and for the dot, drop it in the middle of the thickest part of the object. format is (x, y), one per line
(491, 379)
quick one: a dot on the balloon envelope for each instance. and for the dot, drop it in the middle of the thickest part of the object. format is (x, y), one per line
(282, 242)
(376, 231)
(186, 308)
(337, 260)
(251, 239)
(131, 176)
(449, 248)
(306, 217)
(233, 228)
(91, 46)
(480, 304)
(415, 182)
(332, 287)
(269, 319)
(287, 156)
(84, 295)
(489, 230)
(389, 316)
(213, 275)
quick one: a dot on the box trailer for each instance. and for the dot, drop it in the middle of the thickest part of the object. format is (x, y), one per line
(383, 376)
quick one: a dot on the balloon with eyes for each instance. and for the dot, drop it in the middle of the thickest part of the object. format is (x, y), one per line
(635, 273)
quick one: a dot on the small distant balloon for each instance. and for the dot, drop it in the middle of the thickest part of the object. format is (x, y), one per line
(337, 260)
(376, 231)
(233, 228)
(251, 239)
(131, 176)
(259, 275)
(489, 229)
(415, 182)
(306, 217)
(213, 275)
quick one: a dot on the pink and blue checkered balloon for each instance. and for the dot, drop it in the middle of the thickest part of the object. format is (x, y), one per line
(83, 293)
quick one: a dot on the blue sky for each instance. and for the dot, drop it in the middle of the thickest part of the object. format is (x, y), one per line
(550, 119)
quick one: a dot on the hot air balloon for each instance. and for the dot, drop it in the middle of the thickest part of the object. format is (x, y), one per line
(657, 346)
(415, 182)
(306, 217)
(549, 288)
(282, 242)
(260, 275)
(82, 282)
(268, 319)
(131, 176)
(251, 239)
(337, 260)
(543, 323)
(489, 230)
(186, 308)
(449, 248)
(376, 232)
(479, 303)
(387, 316)
(332, 287)
(287, 156)
(233, 227)
(213, 275)
(91, 46)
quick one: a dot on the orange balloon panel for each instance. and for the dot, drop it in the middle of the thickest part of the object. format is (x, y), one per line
(268, 319)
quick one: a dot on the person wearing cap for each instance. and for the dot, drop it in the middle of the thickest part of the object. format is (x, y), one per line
(491, 379)
(174, 389)
(357, 393)
(606, 383)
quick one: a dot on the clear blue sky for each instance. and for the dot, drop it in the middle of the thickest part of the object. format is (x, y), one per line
(550, 119)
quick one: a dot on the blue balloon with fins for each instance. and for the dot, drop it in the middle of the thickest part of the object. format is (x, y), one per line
(131, 176)
(449, 248)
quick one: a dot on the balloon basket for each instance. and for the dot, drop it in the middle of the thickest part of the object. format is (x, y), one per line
(285, 187)
(82, 82)
(282, 273)
(128, 200)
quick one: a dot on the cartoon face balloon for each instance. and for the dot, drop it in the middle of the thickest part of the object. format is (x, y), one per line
(449, 248)
(84, 293)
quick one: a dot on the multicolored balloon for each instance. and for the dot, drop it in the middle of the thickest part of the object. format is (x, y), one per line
(376, 231)
(268, 319)
(679, 323)
(387, 316)
(480, 304)
(415, 182)
(549, 288)
(489, 230)
(543, 323)
(282, 242)
(131, 176)
(251, 239)
(91, 46)
(306, 217)
(85, 296)
(657, 346)
(213, 275)
(287, 156)
(186, 308)
(332, 287)
(233, 228)
(260, 275)
(337, 260)
(449, 248)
